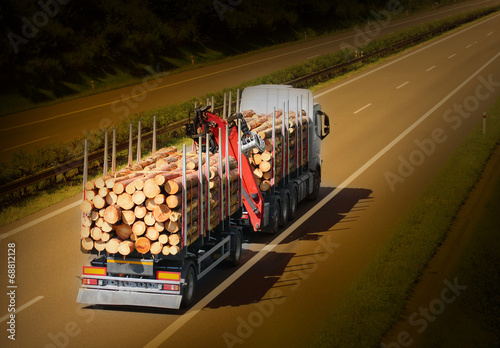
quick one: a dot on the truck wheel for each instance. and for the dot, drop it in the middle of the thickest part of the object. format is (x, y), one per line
(274, 218)
(316, 184)
(236, 249)
(293, 202)
(189, 289)
(285, 207)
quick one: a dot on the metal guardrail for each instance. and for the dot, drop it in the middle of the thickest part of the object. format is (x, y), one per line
(78, 162)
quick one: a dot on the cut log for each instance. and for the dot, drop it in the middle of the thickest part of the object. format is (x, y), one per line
(257, 173)
(139, 184)
(160, 226)
(163, 238)
(266, 156)
(105, 236)
(161, 213)
(86, 207)
(174, 239)
(98, 202)
(152, 234)
(175, 216)
(149, 219)
(140, 211)
(90, 185)
(99, 222)
(112, 214)
(103, 192)
(125, 201)
(166, 250)
(100, 245)
(160, 199)
(138, 197)
(265, 185)
(111, 198)
(112, 245)
(151, 189)
(156, 248)
(107, 227)
(89, 195)
(123, 231)
(85, 231)
(142, 245)
(159, 180)
(126, 247)
(95, 233)
(150, 204)
(87, 243)
(175, 185)
(265, 166)
(174, 250)
(138, 228)
(172, 226)
(128, 217)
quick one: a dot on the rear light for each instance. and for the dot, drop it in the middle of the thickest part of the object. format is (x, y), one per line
(87, 281)
(170, 287)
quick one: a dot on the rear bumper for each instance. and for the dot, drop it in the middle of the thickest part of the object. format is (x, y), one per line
(132, 298)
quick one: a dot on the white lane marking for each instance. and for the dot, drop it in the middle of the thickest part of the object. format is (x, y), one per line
(37, 221)
(364, 107)
(220, 71)
(402, 85)
(432, 67)
(29, 142)
(468, 46)
(453, 55)
(326, 91)
(490, 33)
(18, 309)
(183, 319)
(312, 57)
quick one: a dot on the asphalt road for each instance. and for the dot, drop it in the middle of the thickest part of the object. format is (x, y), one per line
(394, 125)
(66, 121)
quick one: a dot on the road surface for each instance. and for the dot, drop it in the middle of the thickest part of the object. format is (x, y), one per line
(393, 126)
(66, 121)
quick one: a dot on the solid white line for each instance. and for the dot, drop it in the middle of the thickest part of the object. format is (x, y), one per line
(312, 57)
(453, 55)
(364, 107)
(432, 67)
(403, 84)
(18, 309)
(182, 320)
(37, 221)
(468, 46)
(326, 91)
(30, 142)
(490, 33)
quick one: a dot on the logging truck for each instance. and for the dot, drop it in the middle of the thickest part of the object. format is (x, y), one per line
(156, 227)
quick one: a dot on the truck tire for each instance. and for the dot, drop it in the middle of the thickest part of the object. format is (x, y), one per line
(316, 185)
(237, 242)
(294, 198)
(285, 206)
(189, 289)
(274, 216)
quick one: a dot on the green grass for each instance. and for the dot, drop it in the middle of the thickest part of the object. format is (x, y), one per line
(474, 320)
(376, 299)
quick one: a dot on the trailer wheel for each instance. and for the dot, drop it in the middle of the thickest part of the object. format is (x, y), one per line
(190, 288)
(293, 202)
(285, 207)
(236, 249)
(316, 185)
(274, 218)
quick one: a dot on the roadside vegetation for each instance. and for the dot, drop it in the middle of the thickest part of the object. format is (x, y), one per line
(377, 298)
(23, 164)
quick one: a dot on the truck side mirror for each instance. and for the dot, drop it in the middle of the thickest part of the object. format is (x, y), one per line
(322, 124)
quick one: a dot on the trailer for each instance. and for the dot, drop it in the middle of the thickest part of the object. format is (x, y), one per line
(213, 232)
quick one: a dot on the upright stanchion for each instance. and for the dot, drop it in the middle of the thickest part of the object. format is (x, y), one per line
(221, 179)
(273, 137)
(184, 198)
(229, 104)
(207, 171)
(240, 172)
(113, 153)
(212, 105)
(298, 144)
(154, 134)
(224, 107)
(85, 164)
(105, 163)
(238, 106)
(283, 143)
(130, 129)
(228, 172)
(139, 130)
(201, 210)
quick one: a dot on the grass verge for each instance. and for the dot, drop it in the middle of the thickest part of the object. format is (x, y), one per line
(377, 298)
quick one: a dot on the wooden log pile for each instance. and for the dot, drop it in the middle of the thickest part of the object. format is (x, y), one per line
(264, 162)
(140, 207)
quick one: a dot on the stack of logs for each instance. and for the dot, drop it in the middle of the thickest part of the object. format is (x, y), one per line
(140, 207)
(262, 162)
